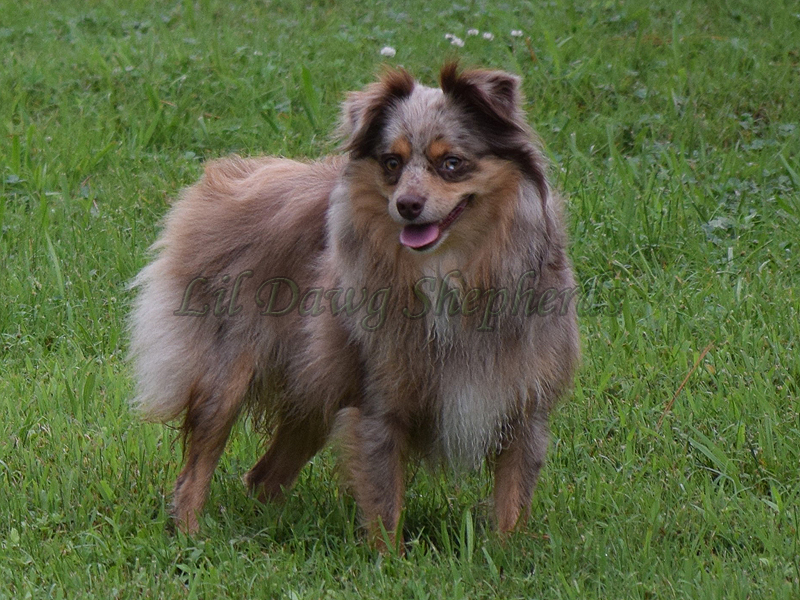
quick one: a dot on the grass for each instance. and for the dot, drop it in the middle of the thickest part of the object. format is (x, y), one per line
(676, 130)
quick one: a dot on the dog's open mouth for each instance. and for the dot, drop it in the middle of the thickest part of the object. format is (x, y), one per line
(427, 235)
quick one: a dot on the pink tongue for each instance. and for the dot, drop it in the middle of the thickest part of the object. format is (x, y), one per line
(417, 236)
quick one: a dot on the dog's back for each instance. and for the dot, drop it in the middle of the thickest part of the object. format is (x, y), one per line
(246, 222)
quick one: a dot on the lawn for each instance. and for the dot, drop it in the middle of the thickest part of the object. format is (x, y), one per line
(674, 129)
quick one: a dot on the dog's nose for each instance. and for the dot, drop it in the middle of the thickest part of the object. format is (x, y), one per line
(410, 206)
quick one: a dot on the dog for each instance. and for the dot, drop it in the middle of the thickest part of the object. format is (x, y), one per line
(411, 298)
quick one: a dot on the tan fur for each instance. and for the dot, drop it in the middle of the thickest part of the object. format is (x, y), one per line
(402, 147)
(389, 379)
(438, 150)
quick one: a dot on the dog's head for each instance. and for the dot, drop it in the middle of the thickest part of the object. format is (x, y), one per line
(447, 165)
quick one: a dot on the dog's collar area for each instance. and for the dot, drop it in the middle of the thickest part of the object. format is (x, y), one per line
(425, 236)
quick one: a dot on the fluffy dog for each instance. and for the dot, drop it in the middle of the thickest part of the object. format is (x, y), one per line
(411, 298)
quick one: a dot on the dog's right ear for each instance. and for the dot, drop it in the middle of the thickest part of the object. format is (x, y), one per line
(364, 112)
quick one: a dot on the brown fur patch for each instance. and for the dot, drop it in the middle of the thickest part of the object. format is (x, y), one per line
(402, 147)
(438, 149)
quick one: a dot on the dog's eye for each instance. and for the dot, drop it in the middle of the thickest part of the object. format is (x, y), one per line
(451, 163)
(392, 163)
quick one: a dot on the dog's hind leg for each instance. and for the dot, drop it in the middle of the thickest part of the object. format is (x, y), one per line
(517, 471)
(292, 446)
(215, 402)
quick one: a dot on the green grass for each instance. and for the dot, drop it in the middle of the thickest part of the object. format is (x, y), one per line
(676, 130)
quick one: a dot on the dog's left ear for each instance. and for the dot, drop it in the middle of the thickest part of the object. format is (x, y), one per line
(364, 112)
(493, 100)
(495, 95)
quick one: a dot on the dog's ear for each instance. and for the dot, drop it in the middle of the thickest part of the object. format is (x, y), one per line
(493, 102)
(364, 112)
(493, 95)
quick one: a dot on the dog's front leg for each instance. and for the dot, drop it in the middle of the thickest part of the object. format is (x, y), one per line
(375, 451)
(517, 471)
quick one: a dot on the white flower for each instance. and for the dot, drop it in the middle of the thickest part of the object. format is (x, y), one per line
(488, 36)
(388, 51)
(472, 32)
(456, 41)
(449, 37)
(516, 33)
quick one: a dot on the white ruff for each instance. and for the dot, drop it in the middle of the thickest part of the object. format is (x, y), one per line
(476, 408)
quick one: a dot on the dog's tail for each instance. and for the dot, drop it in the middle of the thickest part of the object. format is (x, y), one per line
(170, 350)
(162, 351)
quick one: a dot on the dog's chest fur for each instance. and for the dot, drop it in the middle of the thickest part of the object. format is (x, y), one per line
(467, 399)
(454, 378)
(474, 403)
(475, 408)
